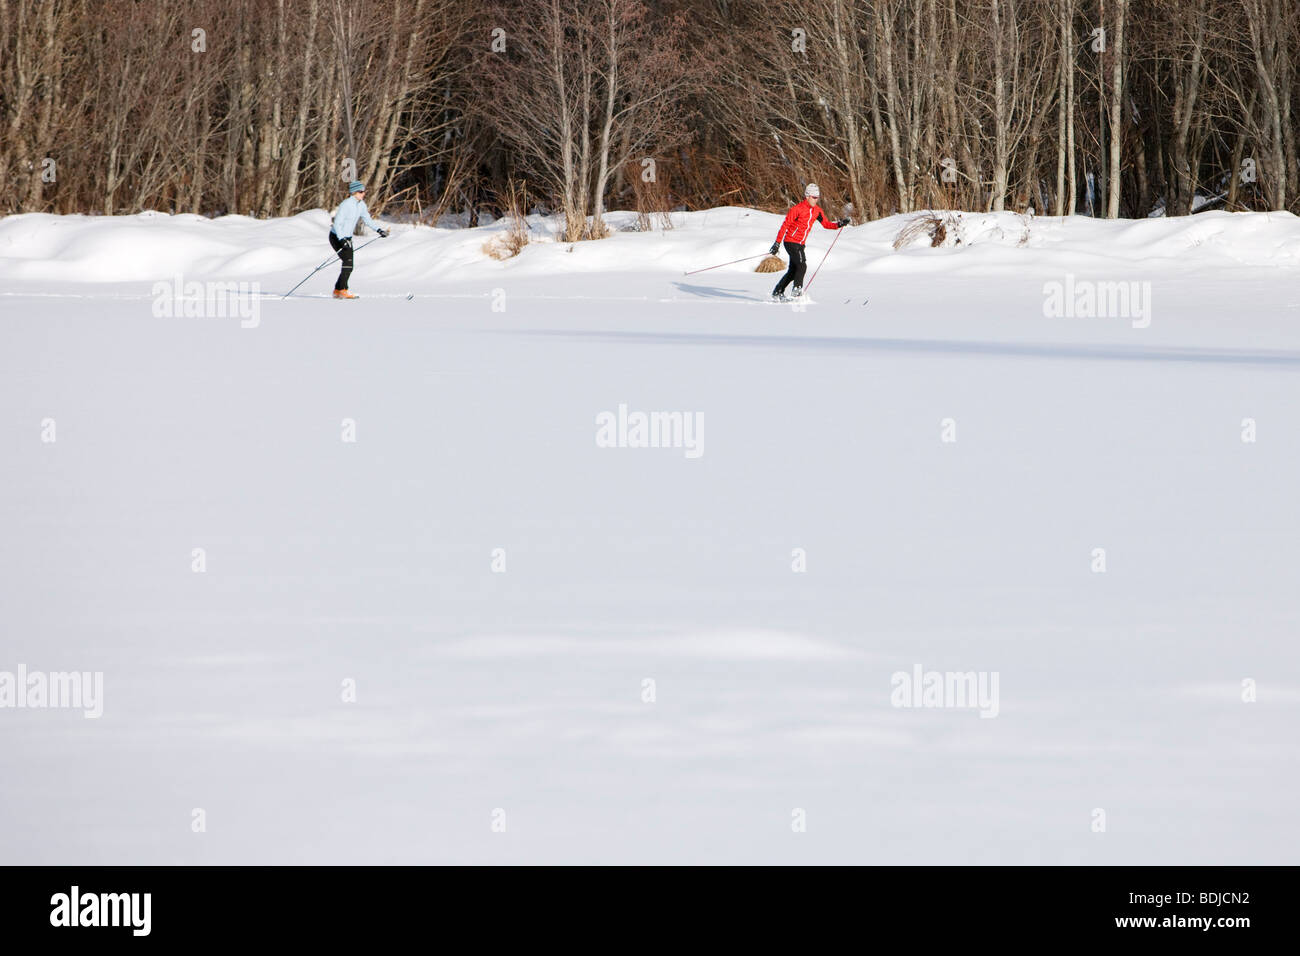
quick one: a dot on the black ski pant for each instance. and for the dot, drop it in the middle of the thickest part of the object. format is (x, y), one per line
(798, 266)
(344, 248)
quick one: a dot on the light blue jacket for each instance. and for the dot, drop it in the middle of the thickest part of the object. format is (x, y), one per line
(345, 220)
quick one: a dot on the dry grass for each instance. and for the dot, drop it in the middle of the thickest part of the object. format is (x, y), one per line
(771, 264)
(510, 243)
(653, 204)
(503, 246)
(935, 228)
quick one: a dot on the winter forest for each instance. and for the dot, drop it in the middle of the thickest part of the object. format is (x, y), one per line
(1105, 108)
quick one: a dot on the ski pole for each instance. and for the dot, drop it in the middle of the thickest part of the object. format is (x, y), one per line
(323, 265)
(721, 264)
(819, 265)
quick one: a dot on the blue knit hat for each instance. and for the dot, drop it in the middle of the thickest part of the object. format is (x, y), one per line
(355, 186)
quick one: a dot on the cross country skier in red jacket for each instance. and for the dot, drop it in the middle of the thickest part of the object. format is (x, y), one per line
(798, 223)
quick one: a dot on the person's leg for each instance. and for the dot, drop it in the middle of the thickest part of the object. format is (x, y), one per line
(344, 249)
(798, 265)
(794, 272)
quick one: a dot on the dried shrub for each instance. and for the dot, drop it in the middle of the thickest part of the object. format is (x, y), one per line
(653, 204)
(510, 243)
(935, 228)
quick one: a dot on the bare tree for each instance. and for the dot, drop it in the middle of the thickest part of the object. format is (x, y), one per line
(1116, 109)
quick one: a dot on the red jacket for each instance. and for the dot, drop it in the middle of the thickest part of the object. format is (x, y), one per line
(799, 221)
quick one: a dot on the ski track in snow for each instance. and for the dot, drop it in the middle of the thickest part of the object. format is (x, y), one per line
(371, 560)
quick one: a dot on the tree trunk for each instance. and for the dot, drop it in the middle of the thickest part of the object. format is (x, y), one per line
(294, 160)
(1262, 46)
(1067, 13)
(1186, 94)
(1064, 67)
(892, 108)
(1001, 119)
(612, 93)
(1117, 110)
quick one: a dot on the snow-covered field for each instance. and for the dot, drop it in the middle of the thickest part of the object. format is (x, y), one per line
(495, 588)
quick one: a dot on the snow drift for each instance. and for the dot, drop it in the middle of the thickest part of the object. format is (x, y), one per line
(79, 249)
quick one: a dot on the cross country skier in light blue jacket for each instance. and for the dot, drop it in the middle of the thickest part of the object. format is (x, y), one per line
(345, 223)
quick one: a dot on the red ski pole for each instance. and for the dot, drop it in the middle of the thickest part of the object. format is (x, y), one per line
(721, 264)
(819, 265)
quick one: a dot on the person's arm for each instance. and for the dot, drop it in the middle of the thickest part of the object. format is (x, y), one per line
(829, 223)
(365, 217)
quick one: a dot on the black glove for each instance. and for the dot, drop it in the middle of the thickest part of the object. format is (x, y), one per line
(346, 243)
(841, 223)
(383, 233)
(775, 246)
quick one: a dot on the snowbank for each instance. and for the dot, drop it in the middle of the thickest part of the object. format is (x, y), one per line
(151, 246)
